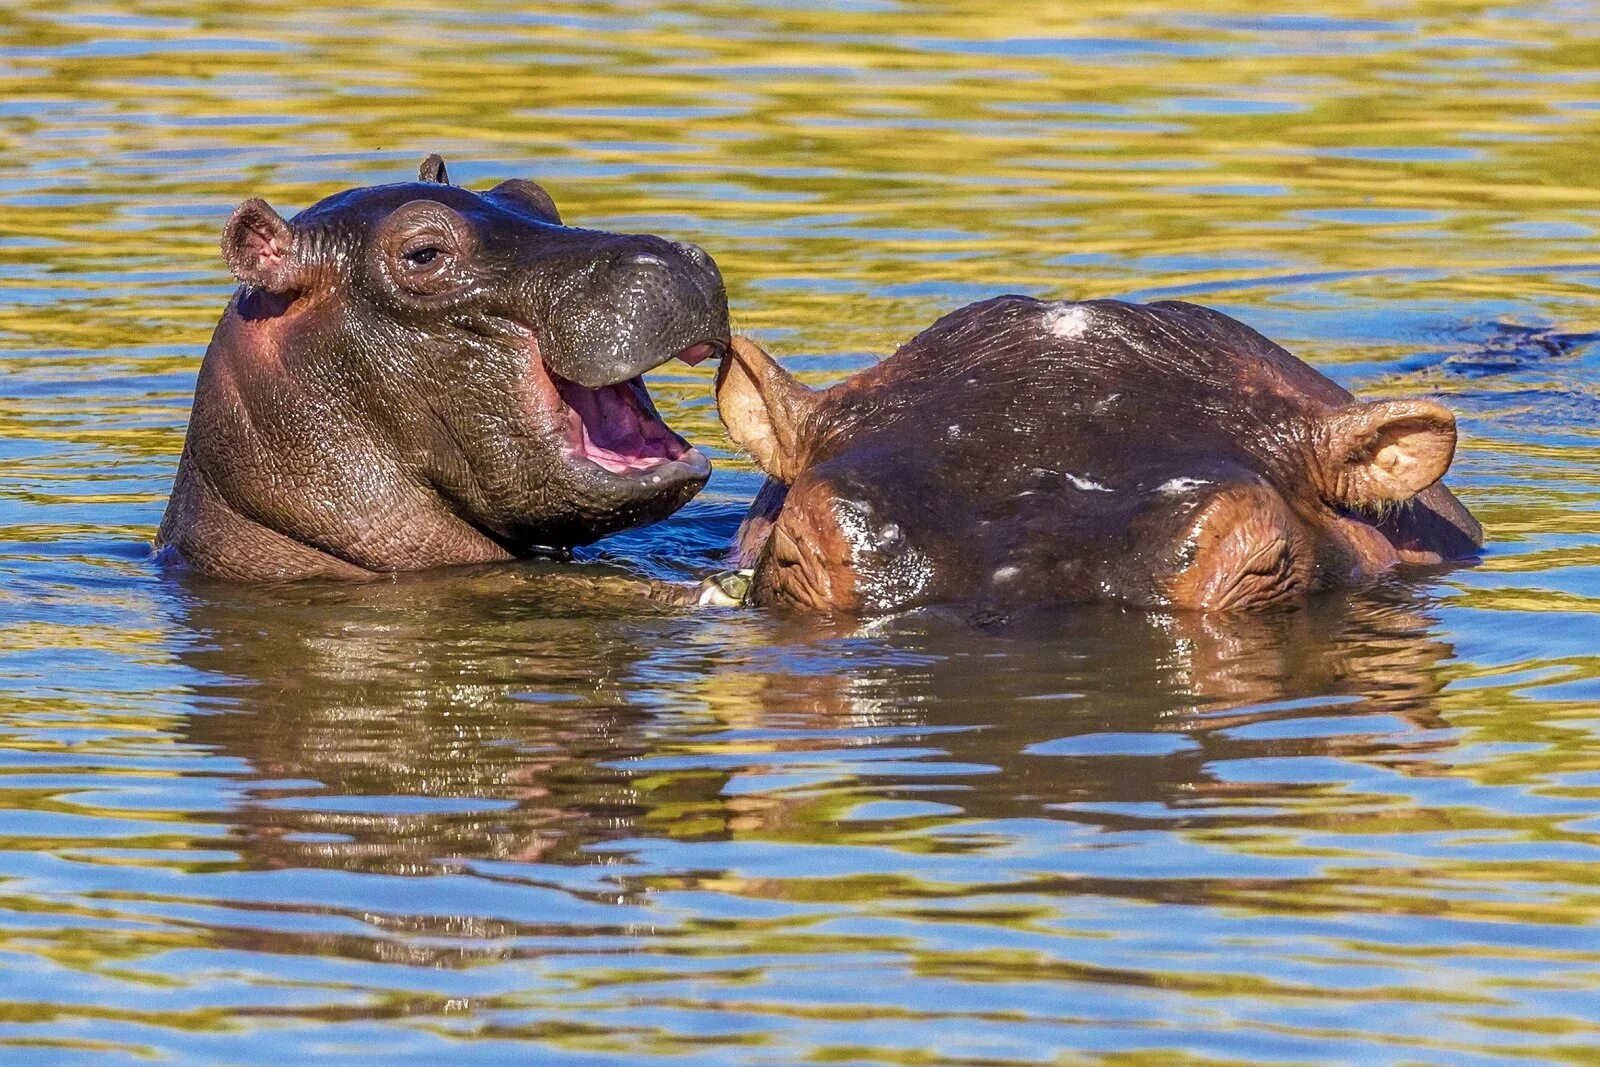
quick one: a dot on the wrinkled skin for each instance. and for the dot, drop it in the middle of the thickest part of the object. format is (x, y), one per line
(416, 375)
(1022, 452)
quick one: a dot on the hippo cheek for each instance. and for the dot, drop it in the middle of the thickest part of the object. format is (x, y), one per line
(806, 563)
(1244, 549)
(616, 462)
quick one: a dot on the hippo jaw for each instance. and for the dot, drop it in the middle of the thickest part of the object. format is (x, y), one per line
(614, 430)
(603, 449)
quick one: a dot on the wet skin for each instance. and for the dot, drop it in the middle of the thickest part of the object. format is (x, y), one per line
(417, 375)
(1022, 452)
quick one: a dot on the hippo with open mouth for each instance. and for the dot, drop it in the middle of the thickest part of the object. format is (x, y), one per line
(417, 375)
(1022, 452)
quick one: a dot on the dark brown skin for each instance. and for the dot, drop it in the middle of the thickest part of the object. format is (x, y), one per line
(1022, 452)
(417, 375)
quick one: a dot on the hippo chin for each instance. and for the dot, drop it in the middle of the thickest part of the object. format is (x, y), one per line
(416, 375)
(1021, 452)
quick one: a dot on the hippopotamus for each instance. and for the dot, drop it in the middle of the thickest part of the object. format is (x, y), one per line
(415, 375)
(1025, 452)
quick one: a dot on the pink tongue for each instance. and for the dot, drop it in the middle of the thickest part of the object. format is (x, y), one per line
(697, 354)
(612, 432)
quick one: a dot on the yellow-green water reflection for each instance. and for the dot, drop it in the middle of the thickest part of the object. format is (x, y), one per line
(469, 815)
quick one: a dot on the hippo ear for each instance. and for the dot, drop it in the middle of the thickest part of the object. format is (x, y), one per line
(765, 410)
(433, 171)
(1387, 451)
(259, 247)
(529, 196)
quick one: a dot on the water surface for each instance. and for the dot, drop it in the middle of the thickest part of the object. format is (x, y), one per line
(469, 814)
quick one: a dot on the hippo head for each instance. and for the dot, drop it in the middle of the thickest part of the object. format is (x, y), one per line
(1020, 451)
(417, 374)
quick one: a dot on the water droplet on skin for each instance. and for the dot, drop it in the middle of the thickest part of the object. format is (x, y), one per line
(1180, 485)
(898, 571)
(1087, 485)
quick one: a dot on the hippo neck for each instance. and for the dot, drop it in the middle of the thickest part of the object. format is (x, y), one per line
(275, 484)
(204, 530)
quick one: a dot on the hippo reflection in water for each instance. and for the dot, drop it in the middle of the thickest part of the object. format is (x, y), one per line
(1022, 452)
(422, 688)
(415, 375)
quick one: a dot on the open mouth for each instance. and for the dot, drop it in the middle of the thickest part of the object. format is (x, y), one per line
(616, 426)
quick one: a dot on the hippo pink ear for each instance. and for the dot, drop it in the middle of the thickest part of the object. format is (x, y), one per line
(765, 410)
(1387, 451)
(259, 247)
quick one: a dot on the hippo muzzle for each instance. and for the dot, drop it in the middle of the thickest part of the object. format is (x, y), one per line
(641, 302)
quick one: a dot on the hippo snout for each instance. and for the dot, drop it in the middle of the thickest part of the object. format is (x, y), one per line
(622, 314)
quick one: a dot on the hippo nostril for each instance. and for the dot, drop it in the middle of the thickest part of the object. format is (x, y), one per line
(696, 255)
(645, 260)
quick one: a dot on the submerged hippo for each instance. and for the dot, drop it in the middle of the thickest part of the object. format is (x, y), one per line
(415, 375)
(1021, 452)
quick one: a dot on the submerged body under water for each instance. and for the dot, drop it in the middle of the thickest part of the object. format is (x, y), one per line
(483, 813)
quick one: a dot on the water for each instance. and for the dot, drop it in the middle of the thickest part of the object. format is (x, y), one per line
(470, 814)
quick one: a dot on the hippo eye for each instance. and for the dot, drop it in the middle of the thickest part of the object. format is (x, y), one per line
(421, 257)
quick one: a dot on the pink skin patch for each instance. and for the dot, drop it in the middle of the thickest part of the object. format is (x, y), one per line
(694, 355)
